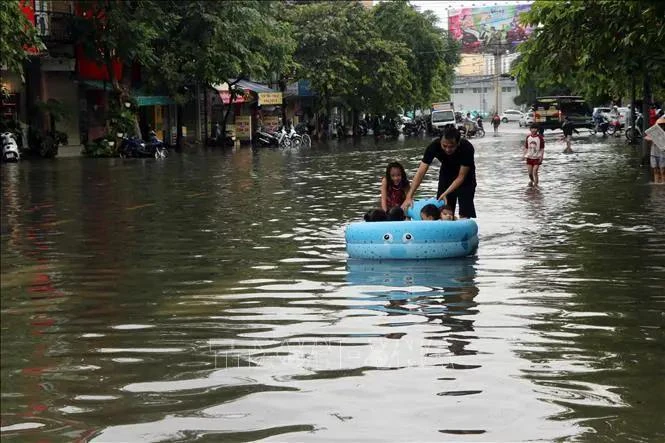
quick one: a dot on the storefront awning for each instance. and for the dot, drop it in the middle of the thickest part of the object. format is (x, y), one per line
(141, 97)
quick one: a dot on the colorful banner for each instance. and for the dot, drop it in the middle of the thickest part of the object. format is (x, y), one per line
(270, 98)
(243, 127)
(488, 29)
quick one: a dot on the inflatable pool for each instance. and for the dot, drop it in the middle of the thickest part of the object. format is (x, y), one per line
(415, 239)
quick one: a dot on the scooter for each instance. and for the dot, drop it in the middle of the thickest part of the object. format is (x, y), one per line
(635, 133)
(134, 147)
(10, 152)
(157, 146)
(601, 126)
(266, 138)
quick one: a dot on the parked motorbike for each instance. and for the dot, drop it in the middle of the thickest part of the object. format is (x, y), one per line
(10, 151)
(263, 137)
(134, 147)
(157, 146)
(415, 127)
(635, 133)
(602, 125)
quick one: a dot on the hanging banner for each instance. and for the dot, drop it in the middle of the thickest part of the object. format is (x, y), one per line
(270, 98)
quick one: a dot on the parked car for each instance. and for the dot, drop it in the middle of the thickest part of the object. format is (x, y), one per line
(511, 115)
(527, 119)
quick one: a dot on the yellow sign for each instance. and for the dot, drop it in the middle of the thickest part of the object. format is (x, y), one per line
(270, 98)
(243, 127)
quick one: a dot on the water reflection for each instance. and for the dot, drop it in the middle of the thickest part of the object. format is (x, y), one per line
(209, 297)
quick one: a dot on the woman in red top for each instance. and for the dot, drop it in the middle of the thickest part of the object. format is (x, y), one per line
(394, 186)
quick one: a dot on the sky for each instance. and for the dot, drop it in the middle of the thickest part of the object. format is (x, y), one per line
(440, 8)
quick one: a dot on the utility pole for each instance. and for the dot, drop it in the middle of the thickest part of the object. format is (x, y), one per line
(497, 72)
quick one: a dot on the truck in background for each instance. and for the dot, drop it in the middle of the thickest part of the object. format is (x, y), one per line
(442, 114)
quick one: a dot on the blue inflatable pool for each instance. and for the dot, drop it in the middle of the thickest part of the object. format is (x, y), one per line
(412, 239)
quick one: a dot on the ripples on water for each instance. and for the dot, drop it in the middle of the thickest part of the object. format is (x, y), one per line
(209, 296)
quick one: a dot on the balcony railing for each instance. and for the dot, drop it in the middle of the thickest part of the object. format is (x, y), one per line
(54, 27)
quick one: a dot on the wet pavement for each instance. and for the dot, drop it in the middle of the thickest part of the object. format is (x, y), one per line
(209, 297)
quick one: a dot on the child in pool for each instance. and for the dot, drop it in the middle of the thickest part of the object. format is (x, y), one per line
(396, 214)
(394, 186)
(430, 212)
(376, 215)
(447, 213)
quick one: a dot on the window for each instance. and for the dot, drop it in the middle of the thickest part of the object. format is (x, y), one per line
(458, 90)
(506, 89)
(484, 89)
(476, 90)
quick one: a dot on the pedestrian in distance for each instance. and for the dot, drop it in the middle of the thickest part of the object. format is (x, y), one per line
(457, 175)
(533, 153)
(657, 155)
(568, 128)
(394, 186)
(496, 121)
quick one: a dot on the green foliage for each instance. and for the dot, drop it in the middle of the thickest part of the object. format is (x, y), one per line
(376, 60)
(432, 56)
(213, 41)
(595, 46)
(100, 147)
(16, 34)
(122, 30)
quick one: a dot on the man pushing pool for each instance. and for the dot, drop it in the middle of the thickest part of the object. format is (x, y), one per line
(457, 176)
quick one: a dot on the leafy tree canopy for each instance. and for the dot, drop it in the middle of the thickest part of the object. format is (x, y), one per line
(16, 35)
(595, 46)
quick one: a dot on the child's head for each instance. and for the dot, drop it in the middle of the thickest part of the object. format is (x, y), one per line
(396, 214)
(534, 129)
(447, 213)
(376, 215)
(430, 212)
(396, 175)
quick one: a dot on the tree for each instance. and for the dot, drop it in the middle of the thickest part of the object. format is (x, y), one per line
(342, 53)
(432, 54)
(17, 35)
(214, 41)
(596, 47)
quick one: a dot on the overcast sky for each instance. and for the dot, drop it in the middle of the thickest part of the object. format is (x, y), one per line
(440, 8)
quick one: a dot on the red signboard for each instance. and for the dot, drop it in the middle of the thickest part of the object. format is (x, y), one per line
(28, 9)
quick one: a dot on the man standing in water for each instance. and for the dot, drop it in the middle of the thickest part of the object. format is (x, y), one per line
(457, 176)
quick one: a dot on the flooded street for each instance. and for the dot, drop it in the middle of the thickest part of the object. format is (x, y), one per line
(209, 297)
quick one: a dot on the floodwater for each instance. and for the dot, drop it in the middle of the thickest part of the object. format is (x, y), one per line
(208, 297)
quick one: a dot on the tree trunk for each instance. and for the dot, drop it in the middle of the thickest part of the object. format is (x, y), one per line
(646, 101)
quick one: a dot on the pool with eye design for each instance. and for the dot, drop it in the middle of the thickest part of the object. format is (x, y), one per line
(411, 239)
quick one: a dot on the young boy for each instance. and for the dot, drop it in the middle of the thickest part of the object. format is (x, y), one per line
(534, 151)
(430, 212)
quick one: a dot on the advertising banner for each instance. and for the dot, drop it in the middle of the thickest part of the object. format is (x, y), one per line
(488, 29)
(243, 127)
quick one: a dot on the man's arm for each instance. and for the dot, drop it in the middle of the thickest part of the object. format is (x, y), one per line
(463, 171)
(415, 183)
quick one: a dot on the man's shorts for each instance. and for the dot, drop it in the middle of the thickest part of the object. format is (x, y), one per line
(658, 161)
(534, 161)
